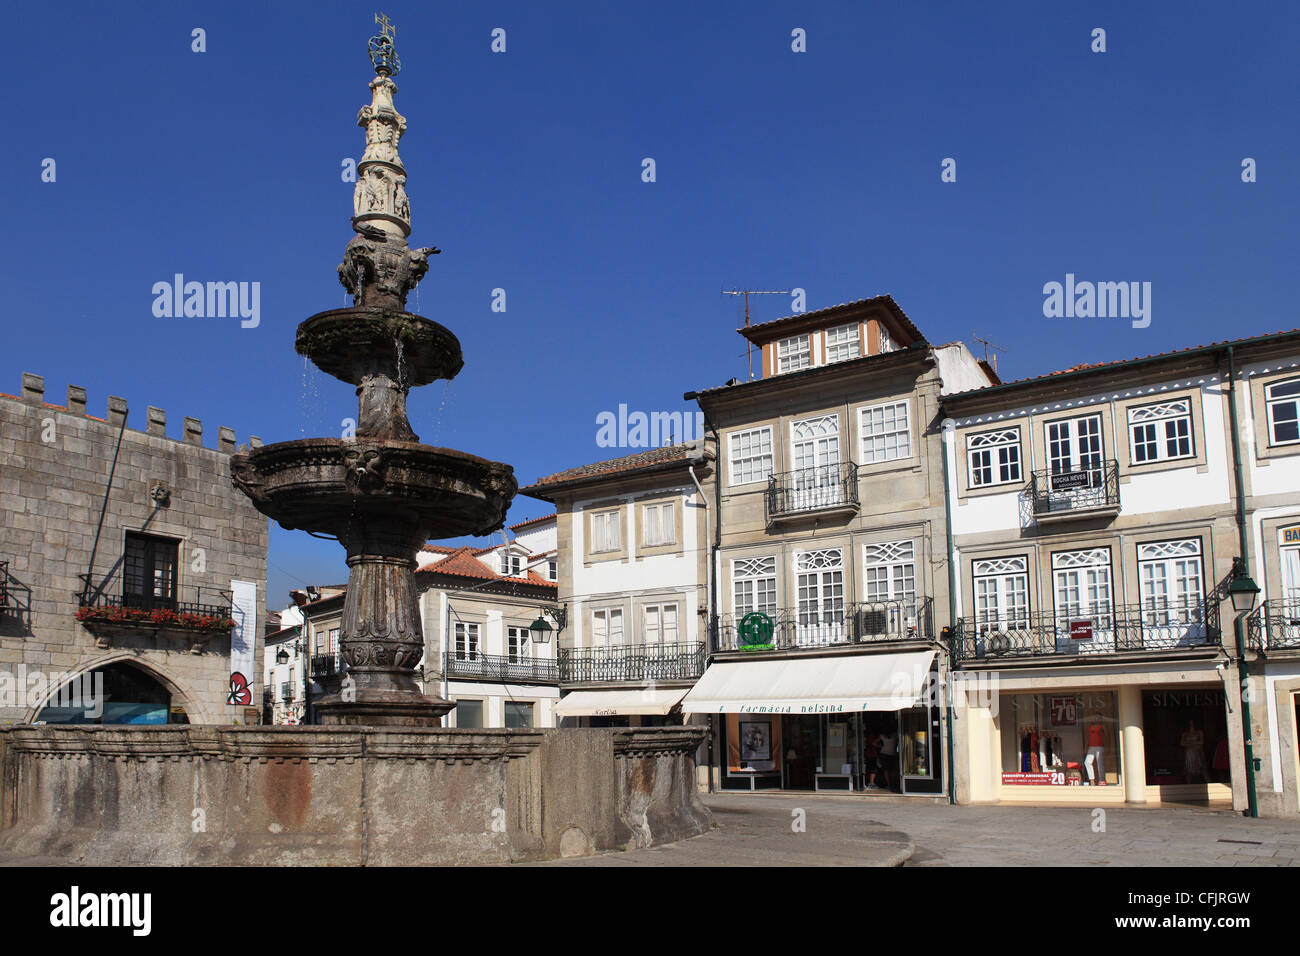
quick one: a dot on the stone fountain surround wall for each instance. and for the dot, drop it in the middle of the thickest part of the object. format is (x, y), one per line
(376, 796)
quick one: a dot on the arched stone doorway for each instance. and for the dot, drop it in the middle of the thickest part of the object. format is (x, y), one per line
(119, 692)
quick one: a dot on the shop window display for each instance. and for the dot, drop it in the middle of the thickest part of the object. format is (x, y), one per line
(1185, 733)
(1060, 739)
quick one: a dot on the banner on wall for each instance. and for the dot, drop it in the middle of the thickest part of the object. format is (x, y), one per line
(243, 638)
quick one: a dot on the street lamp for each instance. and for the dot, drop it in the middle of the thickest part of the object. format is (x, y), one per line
(1243, 590)
(540, 630)
(282, 656)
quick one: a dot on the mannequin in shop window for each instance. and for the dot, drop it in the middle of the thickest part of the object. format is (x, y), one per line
(1096, 752)
(1026, 747)
(1193, 744)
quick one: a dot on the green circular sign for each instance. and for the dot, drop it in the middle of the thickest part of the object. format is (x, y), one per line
(756, 630)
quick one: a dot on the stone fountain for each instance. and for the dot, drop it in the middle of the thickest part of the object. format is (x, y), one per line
(383, 784)
(381, 494)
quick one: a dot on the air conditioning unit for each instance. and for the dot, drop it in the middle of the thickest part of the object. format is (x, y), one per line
(867, 624)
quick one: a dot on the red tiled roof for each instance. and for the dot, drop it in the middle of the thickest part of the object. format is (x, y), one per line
(462, 563)
(1116, 363)
(532, 521)
(654, 458)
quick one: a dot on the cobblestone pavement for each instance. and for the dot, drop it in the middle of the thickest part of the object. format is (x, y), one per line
(889, 831)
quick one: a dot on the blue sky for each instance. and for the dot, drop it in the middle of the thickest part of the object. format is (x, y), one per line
(775, 169)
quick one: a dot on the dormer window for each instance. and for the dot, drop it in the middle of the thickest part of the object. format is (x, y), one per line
(842, 343)
(887, 344)
(793, 353)
(512, 565)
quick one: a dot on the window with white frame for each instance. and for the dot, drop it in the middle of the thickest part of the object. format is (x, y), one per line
(887, 344)
(751, 455)
(820, 583)
(1001, 593)
(466, 641)
(1283, 400)
(607, 627)
(605, 531)
(511, 564)
(753, 586)
(1083, 586)
(890, 569)
(517, 644)
(994, 457)
(553, 569)
(659, 624)
(886, 432)
(1169, 573)
(659, 525)
(1161, 431)
(843, 343)
(793, 353)
(333, 646)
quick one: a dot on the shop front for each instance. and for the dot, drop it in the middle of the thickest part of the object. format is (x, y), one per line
(843, 723)
(1159, 736)
(620, 707)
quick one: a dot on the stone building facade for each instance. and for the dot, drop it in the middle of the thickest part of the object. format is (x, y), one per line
(155, 564)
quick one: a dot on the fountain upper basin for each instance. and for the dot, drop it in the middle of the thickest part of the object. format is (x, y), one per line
(326, 485)
(348, 343)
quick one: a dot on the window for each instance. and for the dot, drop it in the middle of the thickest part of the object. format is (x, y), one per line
(793, 353)
(1083, 586)
(466, 641)
(660, 624)
(891, 572)
(1074, 445)
(511, 564)
(607, 628)
(1284, 412)
(469, 713)
(1001, 593)
(553, 569)
(994, 457)
(1161, 431)
(886, 434)
(842, 343)
(519, 713)
(820, 582)
(1169, 573)
(604, 531)
(149, 572)
(754, 586)
(333, 646)
(659, 525)
(887, 344)
(517, 644)
(817, 481)
(751, 456)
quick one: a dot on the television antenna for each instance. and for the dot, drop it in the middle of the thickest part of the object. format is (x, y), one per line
(749, 348)
(989, 345)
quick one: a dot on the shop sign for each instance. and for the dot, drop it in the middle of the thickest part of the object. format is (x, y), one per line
(1291, 535)
(755, 632)
(1071, 481)
(1081, 630)
(1054, 778)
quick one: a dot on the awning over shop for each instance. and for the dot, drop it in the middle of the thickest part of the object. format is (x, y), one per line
(811, 685)
(618, 703)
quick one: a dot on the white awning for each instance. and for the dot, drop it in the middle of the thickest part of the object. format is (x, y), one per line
(811, 685)
(618, 703)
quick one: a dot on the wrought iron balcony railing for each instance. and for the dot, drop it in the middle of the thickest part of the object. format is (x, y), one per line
(1274, 625)
(870, 622)
(1117, 630)
(823, 488)
(632, 662)
(1058, 496)
(4, 588)
(467, 665)
(210, 609)
(325, 665)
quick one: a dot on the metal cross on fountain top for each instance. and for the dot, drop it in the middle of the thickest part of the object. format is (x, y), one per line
(383, 51)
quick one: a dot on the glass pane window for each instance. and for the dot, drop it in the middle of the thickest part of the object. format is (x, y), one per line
(469, 713)
(519, 713)
(886, 432)
(517, 643)
(994, 457)
(1083, 586)
(887, 343)
(1170, 576)
(1284, 412)
(793, 353)
(607, 627)
(149, 571)
(1075, 445)
(842, 343)
(1065, 738)
(751, 456)
(1161, 431)
(891, 572)
(466, 641)
(605, 531)
(754, 586)
(659, 524)
(820, 584)
(660, 624)
(1001, 593)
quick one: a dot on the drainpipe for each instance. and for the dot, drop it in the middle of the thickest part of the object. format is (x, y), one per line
(1252, 795)
(708, 602)
(949, 432)
(712, 580)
